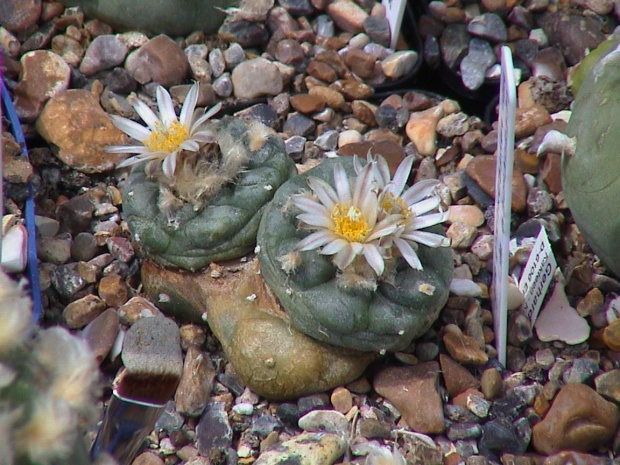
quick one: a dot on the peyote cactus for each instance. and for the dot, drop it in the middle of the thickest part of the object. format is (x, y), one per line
(211, 209)
(48, 386)
(590, 176)
(380, 290)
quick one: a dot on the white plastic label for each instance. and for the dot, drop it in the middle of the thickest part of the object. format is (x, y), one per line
(503, 197)
(394, 11)
(537, 276)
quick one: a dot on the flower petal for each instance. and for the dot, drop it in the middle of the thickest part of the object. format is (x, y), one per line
(315, 240)
(374, 258)
(425, 206)
(320, 221)
(131, 128)
(385, 227)
(427, 238)
(310, 206)
(210, 113)
(169, 165)
(190, 145)
(408, 253)
(147, 115)
(134, 160)
(397, 185)
(324, 192)
(166, 107)
(341, 181)
(127, 149)
(345, 257)
(419, 191)
(381, 170)
(187, 111)
(425, 221)
(334, 247)
(206, 137)
(363, 186)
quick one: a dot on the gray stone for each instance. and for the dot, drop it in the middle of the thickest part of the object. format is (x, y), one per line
(473, 67)
(488, 26)
(255, 78)
(104, 52)
(213, 430)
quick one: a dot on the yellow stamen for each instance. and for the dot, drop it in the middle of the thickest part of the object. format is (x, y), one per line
(350, 223)
(167, 139)
(395, 206)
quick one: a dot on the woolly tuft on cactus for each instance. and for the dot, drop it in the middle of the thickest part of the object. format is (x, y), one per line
(210, 210)
(48, 386)
(372, 295)
(590, 177)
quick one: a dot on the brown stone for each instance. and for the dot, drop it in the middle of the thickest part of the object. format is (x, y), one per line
(579, 419)
(360, 62)
(528, 120)
(569, 457)
(113, 290)
(611, 335)
(101, 333)
(160, 60)
(19, 15)
(306, 103)
(322, 71)
(413, 391)
(551, 172)
(456, 377)
(391, 151)
(82, 311)
(17, 168)
(75, 122)
(482, 170)
(44, 75)
(341, 399)
(526, 162)
(196, 383)
(347, 15)
(464, 349)
(421, 129)
(136, 308)
(491, 383)
(364, 112)
(353, 89)
(333, 98)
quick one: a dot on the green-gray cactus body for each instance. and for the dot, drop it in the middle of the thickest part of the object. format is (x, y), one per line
(225, 228)
(591, 176)
(173, 17)
(386, 319)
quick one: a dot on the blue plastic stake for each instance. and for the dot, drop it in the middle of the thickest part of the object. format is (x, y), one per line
(33, 265)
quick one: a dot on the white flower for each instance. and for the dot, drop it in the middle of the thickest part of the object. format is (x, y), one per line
(165, 135)
(15, 314)
(414, 204)
(346, 222)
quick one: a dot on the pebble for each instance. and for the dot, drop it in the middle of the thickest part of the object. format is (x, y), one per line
(488, 26)
(341, 399)
(350, 136)
(461, 235)
(420, 129)
(413, 391)
(581, 370)
(159, 60)
(557, 320)
(347, 15)
(482, 170)
(465, 288)
(255, 78)
(101, 333)
(329, 421)
(474, 65)
(399, 64)
(579, 419)
(491, 383)
(194, 390)
(84, 247)
(305, 449)
(213, 431)
(457, 378)
(464, 349)
(608, 385)
(135, 309)
(55, 250)
(75, 123)
(104, 52)
(43, 75)
(113, 290)
(81, 312)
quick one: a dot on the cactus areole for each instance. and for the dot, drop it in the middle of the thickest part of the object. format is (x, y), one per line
(385, 319)
(591, 176)
(192, 235)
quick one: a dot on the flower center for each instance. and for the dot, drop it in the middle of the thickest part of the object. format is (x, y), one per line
(350, 223)
(167, 139)
(395, 206)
